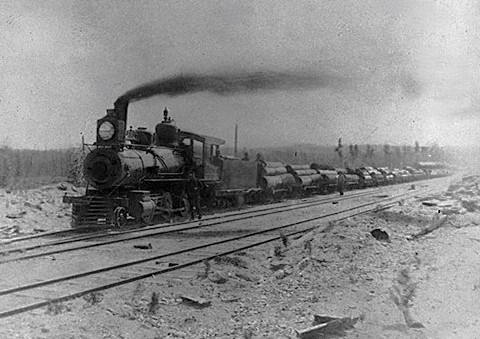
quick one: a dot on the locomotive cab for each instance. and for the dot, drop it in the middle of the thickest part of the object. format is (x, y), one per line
(203, 153)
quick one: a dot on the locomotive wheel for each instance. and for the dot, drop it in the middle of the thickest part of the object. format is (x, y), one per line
(119, 217)
(167, 206)
(185, 205)
(222, 203)
(148, 219)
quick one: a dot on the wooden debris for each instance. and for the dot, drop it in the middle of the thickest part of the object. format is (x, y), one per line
(380, 235)
(280, 274)
(144, 247)
(231, 261)
(16, 215)
(195, 301)
(276, 265)
(35, 206)
(402, 294)
(230, 299)
(217, 278)
(10, 229)
(246, 277)
(437, 222)
(326, 327)
(62, 187)
(430, 202)
(470, 205)
(447, 203)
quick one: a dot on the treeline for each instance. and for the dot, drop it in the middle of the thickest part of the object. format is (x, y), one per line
(67, 164)
(61, 164)
(353, 156)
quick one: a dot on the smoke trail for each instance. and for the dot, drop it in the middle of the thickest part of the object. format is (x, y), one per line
(229, 84)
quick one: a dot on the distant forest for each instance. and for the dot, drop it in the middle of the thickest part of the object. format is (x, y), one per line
(46, 166)
(39, 166)
(352, 156)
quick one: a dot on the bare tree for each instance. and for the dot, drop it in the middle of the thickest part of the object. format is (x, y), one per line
(339, 151)
(387, 151)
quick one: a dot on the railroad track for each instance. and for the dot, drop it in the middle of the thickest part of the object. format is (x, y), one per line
(36, 291)
(79, 233)
(92, 233)
(145, 232)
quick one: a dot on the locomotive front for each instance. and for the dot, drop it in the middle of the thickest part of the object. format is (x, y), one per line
(129, 173)
(127, 159)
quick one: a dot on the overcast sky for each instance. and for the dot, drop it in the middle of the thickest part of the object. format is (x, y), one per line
(406, 70)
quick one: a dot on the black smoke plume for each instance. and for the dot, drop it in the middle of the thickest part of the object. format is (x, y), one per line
(229, 84)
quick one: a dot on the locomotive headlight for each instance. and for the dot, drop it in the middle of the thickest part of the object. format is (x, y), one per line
(106, 130)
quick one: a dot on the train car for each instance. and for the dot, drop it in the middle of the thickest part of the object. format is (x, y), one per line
(250, 182)
(238, 183)
(275, 179)
(329, 181)
(377, 176)
(406, 176)
(352, 180)
(307, 179)
(433, 169)
(398, 176)
(416, 173)
(387, 173)
(366, 179)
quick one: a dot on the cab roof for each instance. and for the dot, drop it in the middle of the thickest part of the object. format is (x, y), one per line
(202, 138)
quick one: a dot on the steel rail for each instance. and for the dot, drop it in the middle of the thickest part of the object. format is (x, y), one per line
(191, 263)
(254, 214)
(105, 233)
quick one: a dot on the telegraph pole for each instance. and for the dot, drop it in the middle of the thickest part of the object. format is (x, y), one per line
(236, 140)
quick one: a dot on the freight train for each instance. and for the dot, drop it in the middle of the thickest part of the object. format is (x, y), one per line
(140, 177)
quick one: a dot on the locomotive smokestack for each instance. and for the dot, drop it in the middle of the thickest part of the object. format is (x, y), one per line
(121, 107)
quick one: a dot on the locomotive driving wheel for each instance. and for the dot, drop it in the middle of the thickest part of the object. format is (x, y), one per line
(166, 206)
(148, 218)
(184, 205)
(119, 217)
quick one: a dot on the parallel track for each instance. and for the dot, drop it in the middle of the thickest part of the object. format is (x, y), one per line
(9, 297)
(150, 231)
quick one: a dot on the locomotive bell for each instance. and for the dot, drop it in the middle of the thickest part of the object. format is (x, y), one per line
(165, 114)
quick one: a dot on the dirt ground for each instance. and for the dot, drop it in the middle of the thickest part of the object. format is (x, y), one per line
(339, 270)
(27, 212)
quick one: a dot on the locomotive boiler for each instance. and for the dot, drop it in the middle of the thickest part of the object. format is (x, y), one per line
(139, 159)
(138, 174)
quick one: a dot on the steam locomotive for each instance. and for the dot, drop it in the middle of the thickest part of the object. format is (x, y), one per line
(136, 176)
